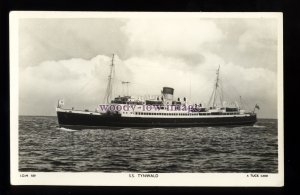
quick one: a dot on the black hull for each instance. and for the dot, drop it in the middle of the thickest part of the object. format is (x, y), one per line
(88, 121)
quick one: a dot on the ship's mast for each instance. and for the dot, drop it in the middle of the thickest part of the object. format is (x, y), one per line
(109, 88)
(216, 87)
(215, 91)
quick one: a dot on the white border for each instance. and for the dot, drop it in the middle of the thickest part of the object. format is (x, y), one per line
(123, 179)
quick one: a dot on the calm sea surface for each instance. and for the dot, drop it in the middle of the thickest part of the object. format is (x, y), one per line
(45, 147)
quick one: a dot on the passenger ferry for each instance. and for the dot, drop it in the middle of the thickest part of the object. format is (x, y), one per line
(160, 111)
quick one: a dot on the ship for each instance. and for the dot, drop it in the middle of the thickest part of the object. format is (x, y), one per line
(162, 111)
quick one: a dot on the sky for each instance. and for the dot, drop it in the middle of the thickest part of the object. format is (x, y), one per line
(69, 58)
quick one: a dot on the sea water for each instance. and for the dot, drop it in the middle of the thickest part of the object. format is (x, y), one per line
(45, 147)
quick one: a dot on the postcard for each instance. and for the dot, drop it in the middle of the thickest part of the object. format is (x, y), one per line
(146, 99)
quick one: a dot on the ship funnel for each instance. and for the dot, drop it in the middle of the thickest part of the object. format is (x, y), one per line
(168, 93)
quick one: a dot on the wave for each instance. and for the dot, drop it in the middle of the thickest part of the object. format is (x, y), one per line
(259, 126)
(65, 129)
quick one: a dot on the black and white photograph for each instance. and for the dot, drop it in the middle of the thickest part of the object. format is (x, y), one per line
(146, 99)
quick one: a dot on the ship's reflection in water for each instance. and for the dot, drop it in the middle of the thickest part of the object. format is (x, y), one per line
(45, 147)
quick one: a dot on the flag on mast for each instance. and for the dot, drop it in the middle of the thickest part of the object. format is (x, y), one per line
(256, 106)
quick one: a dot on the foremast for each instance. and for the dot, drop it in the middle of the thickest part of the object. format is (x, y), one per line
(217, 91)
(109, 88)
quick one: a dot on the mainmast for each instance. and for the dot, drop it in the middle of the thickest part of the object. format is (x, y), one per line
(109, 88)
